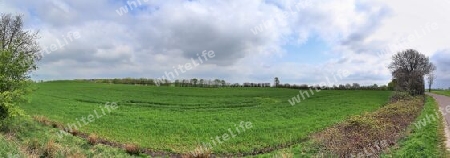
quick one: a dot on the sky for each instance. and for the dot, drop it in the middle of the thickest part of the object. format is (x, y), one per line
(298, 41)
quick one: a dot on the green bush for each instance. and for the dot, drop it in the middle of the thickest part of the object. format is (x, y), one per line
(19, 53)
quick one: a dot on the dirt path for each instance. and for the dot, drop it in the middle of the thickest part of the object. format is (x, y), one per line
(443, 102)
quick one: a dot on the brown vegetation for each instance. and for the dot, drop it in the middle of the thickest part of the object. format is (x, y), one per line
(50, 149)
(132, 149)
(93, 139)
(371, 133)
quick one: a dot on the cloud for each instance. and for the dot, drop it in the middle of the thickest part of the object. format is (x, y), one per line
(442, 61)
(250, 39)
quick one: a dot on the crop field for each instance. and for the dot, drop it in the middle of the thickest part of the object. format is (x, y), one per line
(179, 119)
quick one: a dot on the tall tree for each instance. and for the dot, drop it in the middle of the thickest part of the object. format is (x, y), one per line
(18, 58)
(431, 76)
(223, 83)
(408, 68)
(194, 82)
(276, 81)
(202, 82)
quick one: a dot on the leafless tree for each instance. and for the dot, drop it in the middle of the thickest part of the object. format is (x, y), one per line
(14, 38)
(408, 68)
(431, 76)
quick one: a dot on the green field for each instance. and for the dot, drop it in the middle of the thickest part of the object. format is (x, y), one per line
(447, 93)
(177, 119)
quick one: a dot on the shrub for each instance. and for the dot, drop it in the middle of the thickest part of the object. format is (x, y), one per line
(17, 61)
(396, 96)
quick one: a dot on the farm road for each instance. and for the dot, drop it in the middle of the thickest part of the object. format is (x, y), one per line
(443, 102)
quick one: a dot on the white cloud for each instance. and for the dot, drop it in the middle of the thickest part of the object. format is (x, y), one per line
(158, 35)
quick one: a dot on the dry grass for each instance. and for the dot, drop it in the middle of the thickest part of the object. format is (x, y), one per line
(76, 155)
(285, 154)
(132, 149)
(93, 139)
(199, 152)
(33, 145)
(43, 120)
(371, 131)
(74, 132)
(50, 149)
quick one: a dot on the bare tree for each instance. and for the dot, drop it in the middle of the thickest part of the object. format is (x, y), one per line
(431, 76)
(408, 68)
(14, 38)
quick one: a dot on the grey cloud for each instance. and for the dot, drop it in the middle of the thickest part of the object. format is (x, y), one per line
(173, 33)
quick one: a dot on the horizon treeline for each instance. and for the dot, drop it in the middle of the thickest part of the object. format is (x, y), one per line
(214, 83)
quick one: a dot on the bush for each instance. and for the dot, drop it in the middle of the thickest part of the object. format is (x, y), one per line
(16, 63)
(396, 96)
(8, 102)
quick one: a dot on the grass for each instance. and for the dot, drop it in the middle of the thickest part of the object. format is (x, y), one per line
(367, 135)
(447, 93)
(178, 119)
(9, 149)
(423, 141)
(27, 138)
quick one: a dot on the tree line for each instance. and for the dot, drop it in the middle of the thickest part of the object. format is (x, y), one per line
(176, 83)
(208, 83)
(348, 86)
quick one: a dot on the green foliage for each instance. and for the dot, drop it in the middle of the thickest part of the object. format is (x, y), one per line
(18, 57)
(179, 119)
(9, 101)
(392, 84)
